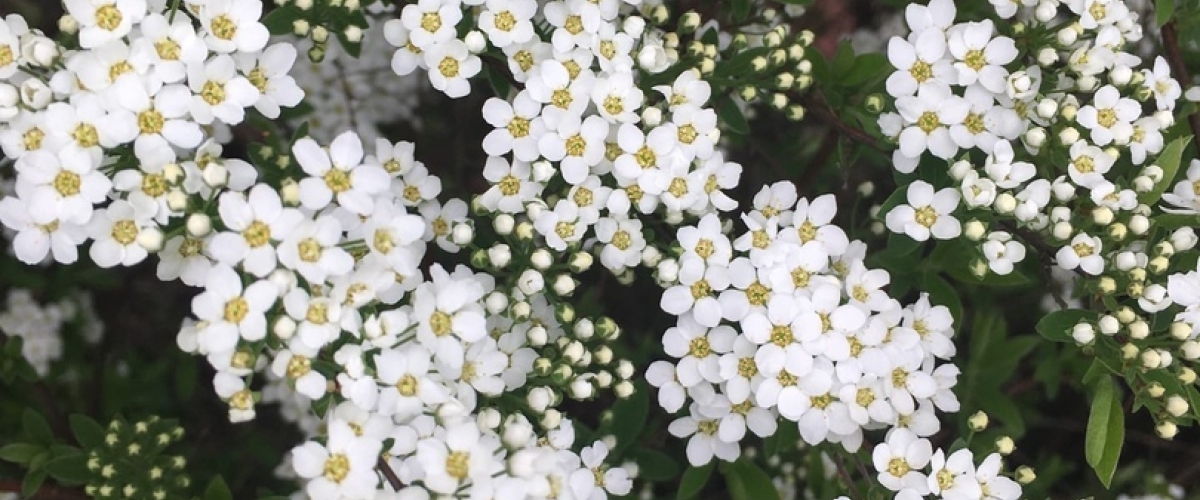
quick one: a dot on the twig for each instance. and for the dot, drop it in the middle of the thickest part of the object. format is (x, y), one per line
(844, 473)
(822, 108)
(1170, 38)
(389, 474)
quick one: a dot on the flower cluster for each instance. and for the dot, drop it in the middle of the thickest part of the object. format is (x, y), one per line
(1093, 159)
(785, 320)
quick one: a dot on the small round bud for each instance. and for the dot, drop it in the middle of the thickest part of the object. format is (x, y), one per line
(1083, 333)
(1155, 390)
(177, 200)
(1025, 474)
(652, 117)
(564, 285)
(319, 34)
(623, 389)
(974, 230)
(1176, 406)
(1062, 230)
(874, 104)
(978, 421)
(530, 282)
(1139, 330)
(1035, 137)
(496, 302)
(1109, 325)
(474, 40)
(960, 169)
(1005, 445)
(1150, 359)
(284, 327)
(1047, 56)
(1166, 430)
(1139, 224)
(1047, 108)
(215, 175)
(503, 224)
(1180, 330)
(688, 22)
(1191, 350)
(67, 24)
(1068, 136)
(1129, 351)
(580, 262)
(150, 238)
(500, 255)
(1107, 285)
(520, 311)
(1187, 375)
(462, 234)
(541, 259)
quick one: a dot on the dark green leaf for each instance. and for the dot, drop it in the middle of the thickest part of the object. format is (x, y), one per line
(1169, 161)
(1057, 325)
(88, 433)
(748, 482)
(1176, 221)
(217, 490)
(654, 465)
(694, 479)
(36, 428)
(70, 469)
(279, 20)
(33, 481)
(729, 114)
(1163, 10)
(1105, 430)
(629, 416)
(20, 453)
(741, 9)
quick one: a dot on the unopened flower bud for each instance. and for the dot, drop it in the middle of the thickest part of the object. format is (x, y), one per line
(1109, 325)
(1155, 390)
(1035, 137)
(1150, 359)
(215, 175)
(652, 117)
(1187, 375)
(1180, 330)
(1005, 445)
(1166, 430)
(496, 302)
(150, 238)
(177, 200)
(978, 421)
(1083, 333)
(474, 40)
(1176, 405)
(1191, 350)
(199, 225)
(284, 327)
(1025, 474)
(580, 262)
(500, 255)
(1047, 56)
(520, 311)
(688, 22)
(1129, 351)
(564, 285)
(462, 234)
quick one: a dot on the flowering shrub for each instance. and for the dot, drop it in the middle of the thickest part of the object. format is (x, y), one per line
(938, 260)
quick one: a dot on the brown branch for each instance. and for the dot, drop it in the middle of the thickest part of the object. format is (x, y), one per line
(389, 474)
(1170, 38)
(818, 105)
(44, 492)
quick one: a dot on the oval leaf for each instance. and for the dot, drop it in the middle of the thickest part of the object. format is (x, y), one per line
(1057, 325)
(1105, 431)
(1168, 161)
(694, 479)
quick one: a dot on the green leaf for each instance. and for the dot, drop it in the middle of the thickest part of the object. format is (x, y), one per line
(729, 114)
(783, 441)
(629, 416)
(941, 293)
(901, 244)
(1168, 161)
(19, 453)
(1176, 221)
(654, 465)
(70, 469)
(33, 481)
(1163, 10)
(741, 10)
(1105, 431)
(217, 490)
(36, 428)
(279, 20)
(694, 479)
(1057, 325)
(748, 482)
(88, 432)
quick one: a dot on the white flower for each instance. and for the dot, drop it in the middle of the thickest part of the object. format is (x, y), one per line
(1088, 164)
(36, 239)
(183, 257)
(518, 124)
(115, 231)
(220, 93)
(104, 20)
(954, 478)
(591, 481)
(253, 221)
(232, 25)
(459, 456)
(311, 250)
(981, 58)
(61, 186)
(927, 213)
(170, 47)
(508, 21)
(1083, 252)
(929, 115)
(578, 145)
(431, 21)
(623, 242)
(295, 363)
(161, 120)
(343, 468)
(697, 285)
(899, 460)
(268, 72)
(410, 387)
(450, 65)
(10, 49)
(939, 14)
(1110, 117)
(1166, 89)
(1186, 193)
(697, 349)
(704, 443)
(1002, 252)
(919, 62)
(997, 487)
(338, 173)
(231, 310)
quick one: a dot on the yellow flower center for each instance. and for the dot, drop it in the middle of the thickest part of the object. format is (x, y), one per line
(337, 467)
(298, 366)
(117, 69)
(338, 180)
(317, 313)
(431, 21)
(407, 385)
(864, 397)
(167, 49)
(622, 240)
(213, 93)
(576, 145)
(32, 139)
(645, 157)
(448, 67)
(926, 216)
(505, 21)
(678, 187)
(928, 122)
(124, 232)
(150, 122)
(518, 127)
(699, 348)
(223, 27)
(975, 59)
(561, 98)
(564, 230)
(1106, 117)
(257, 234)
(258, 78)
(687, 134)
(457, 465)
(705, 248)
(309, 250)
(86, 135)
(67, 183)
(236, 310)
(441, 323)
(898, 467)
(574, 24)
(746, 367)
(108, 17)
(921, 71)
(701, 289)
(782, 335)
